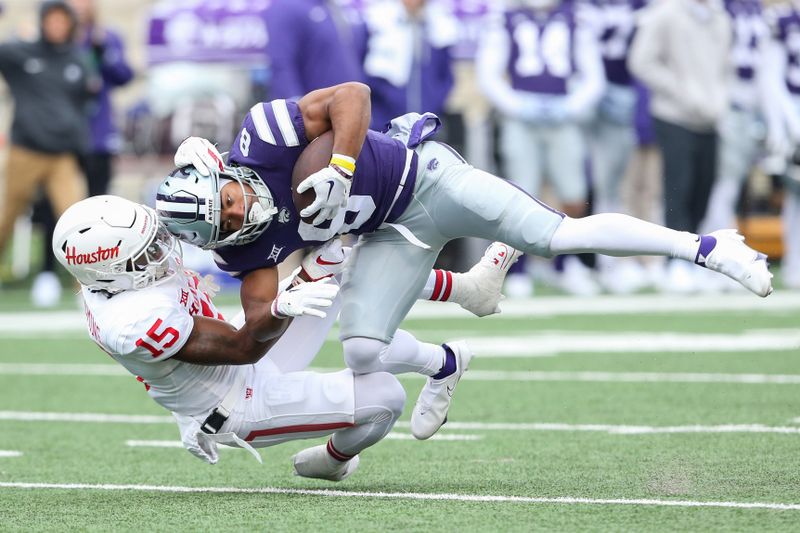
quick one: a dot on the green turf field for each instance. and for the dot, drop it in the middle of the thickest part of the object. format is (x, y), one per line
(668, 414)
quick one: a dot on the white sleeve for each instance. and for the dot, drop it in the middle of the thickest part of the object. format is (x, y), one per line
(156, 335)
(588, 86)
(779, 111)
(492, 66)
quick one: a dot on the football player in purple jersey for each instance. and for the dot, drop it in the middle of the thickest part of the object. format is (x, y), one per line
(405, 195)
(612, 133)
(782, 61)
(540, 67)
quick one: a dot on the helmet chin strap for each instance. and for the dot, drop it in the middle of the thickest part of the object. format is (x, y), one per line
(259, 215)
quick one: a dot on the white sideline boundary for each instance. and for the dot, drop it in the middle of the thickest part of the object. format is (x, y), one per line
(113, 370)
(612, 429)
(481, 498)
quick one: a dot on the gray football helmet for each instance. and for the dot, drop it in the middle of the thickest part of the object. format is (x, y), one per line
(188, 203)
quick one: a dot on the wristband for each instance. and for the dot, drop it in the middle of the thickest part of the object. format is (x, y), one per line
(345, 163)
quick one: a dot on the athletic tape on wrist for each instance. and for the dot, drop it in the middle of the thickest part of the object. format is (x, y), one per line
(348, 164)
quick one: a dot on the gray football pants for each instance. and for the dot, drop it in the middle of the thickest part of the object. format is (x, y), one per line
(451, 199)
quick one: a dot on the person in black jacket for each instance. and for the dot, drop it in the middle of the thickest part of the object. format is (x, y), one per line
(52, 86)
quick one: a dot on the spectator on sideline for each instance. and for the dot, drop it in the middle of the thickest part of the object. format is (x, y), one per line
(107, 55)
(680, 52)
(51, 86)
(312, 44)
(407, 61)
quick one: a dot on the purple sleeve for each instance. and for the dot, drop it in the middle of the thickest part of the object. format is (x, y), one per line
(272, 136)
(113, 66)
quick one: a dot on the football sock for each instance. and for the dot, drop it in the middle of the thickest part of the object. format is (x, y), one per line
(337, 455)
(438, 287)
(404, 354)
(621, 236)
(449, 366)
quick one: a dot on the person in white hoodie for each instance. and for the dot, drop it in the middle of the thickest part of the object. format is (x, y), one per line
(681, 52)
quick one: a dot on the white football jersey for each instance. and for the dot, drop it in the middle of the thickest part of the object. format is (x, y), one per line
(143, 329)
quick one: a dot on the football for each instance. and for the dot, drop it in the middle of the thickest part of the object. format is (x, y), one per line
(315, 156)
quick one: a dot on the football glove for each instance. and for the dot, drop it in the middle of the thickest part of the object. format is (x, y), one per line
(305, 299)
(332, 190)
(324, 261)
(199, 153)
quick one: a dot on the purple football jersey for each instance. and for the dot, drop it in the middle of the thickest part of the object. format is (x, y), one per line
(618, 23)
(270, 142)
(784, 22)
(542, 55)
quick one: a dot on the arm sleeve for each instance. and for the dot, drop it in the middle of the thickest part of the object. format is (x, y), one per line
(113, 66)
(272, 136)
(9, 57)
(156, 335)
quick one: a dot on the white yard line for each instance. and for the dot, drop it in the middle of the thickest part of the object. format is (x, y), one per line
(18, 324)
(613, 429)
(616, 429)
(551, 344)
(391, 436)
(486, 498)
(10, 453)
(58, 369)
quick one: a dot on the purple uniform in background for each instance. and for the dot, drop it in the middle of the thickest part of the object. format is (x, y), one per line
(270, 142)
(784, 22)
(312, 44)
(748, 31)
(617, 26)
(109, 60)
(542, 55)
(407, 61)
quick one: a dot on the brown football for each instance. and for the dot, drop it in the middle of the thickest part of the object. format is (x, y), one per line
(314, 157)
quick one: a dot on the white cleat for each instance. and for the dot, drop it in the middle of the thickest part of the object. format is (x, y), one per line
(479, 290)
(316, 462)
(732, 257)
(430, 412)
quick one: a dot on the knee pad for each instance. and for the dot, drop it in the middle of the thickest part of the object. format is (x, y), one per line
(380, 389)
(362, 355)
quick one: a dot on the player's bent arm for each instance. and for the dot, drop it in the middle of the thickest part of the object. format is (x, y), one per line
(343, 108)
(215, 342)
(259, 289)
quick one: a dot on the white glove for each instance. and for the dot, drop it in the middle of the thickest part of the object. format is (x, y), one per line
(324, 261)
(199, 153)
(332, 190)
(305, 299)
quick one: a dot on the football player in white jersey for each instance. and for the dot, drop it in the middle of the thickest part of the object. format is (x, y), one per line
(159, 322)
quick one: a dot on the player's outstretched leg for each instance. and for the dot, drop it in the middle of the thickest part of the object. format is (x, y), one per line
(614, 234)
(479, 289)
(430, 412)
(379, 400)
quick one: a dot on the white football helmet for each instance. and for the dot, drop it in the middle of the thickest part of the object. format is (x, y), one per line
(112, 244)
